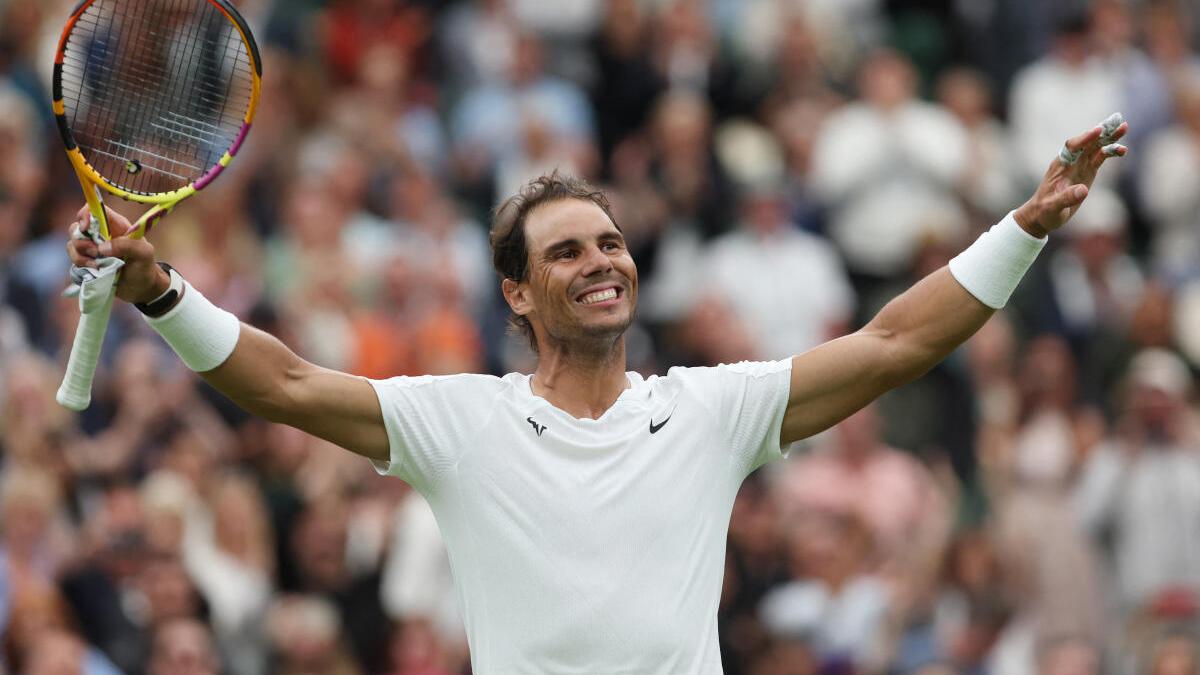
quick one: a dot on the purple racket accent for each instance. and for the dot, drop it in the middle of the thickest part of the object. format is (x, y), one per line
(153, 220)
(237, 144)
(216, 170)
(208, 177)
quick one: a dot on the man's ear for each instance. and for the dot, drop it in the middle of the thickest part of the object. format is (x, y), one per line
(517, 296)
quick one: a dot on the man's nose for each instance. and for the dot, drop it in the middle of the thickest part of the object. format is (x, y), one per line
(596, 261)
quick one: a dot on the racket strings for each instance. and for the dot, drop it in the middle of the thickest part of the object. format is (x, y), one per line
(206, 90)
(156, 90)
(204, 94)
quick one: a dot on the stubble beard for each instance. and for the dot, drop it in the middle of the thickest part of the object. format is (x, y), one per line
(587, 340)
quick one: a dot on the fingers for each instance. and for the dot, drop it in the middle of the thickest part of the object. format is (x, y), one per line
(1111, 127)
(129, 250)
(1103, 138)
(1114, 150)
(1074, 148)
(1068, 198)
(1082, 141)
(83, 252)
(118, 224)
(1115, 128)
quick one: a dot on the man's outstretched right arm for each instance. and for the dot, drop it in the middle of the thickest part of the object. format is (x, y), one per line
(255, 370)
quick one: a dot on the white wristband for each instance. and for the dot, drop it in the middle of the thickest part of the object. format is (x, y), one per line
(202, 334)
(991, 268)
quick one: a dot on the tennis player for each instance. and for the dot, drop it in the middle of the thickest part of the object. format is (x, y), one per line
(585, 508)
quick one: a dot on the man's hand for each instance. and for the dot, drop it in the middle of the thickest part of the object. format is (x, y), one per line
(141, 279)
(1069, 177)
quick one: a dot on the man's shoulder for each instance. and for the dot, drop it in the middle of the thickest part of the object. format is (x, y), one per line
(472, 385)
(714, 375)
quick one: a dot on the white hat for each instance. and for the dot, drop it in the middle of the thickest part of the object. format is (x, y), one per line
(1102, 212)
(1162, 370)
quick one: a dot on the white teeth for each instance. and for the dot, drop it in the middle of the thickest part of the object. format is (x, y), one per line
(599, 296)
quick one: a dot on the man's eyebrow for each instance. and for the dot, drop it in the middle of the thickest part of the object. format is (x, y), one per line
(575, 242)
(561, 244)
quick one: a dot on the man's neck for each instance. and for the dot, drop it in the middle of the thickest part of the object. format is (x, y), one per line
(585, 386)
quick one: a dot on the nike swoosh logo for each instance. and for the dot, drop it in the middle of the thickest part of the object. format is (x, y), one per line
(655, 427)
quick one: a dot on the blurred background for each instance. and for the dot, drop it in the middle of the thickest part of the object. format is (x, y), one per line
(781, 169)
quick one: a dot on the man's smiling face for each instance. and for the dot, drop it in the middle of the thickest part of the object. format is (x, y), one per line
(581, 282)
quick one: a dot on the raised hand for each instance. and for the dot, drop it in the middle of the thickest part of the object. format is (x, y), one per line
(141, 279)
(1067, 181)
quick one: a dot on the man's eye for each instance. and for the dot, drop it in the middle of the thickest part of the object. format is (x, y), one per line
(565, 255)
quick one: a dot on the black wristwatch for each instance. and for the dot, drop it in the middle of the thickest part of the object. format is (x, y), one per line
(164, 302)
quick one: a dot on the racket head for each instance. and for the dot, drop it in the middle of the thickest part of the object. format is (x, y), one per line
(153, 98)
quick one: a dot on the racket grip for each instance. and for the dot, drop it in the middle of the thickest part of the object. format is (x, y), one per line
(75, 393)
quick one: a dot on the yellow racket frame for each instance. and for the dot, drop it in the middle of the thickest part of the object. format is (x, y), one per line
(162, 202)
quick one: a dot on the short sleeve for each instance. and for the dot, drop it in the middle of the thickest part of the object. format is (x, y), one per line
(754, 399)
(430, 420)
(750, 399)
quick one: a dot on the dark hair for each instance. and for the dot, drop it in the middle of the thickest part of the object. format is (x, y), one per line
(510, 255)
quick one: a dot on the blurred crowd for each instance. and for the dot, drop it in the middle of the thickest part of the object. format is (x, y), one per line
(780, 169)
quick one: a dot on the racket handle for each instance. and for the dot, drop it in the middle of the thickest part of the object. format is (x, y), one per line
(75, 392)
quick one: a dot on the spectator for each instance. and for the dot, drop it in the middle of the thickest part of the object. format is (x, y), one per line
(102, 590)
(1068, 656)
(306, 637)
(1141, 486)
(1145, 89)
(416, 650)
(834, 602)
(59, 652)
(748, 268)
(417, 586)
(1051, 568)
(319, 546)
(894, 496)
(183, 647)
(1174, 653)
(486, 123)
(1168, 181)
(354, 27)
(1091, 293)
(887, 166)
(1068, 88)
(989, 184)
(626, 83)
(227, 550)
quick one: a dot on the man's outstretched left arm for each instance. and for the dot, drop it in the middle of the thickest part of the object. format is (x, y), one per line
(928, 321)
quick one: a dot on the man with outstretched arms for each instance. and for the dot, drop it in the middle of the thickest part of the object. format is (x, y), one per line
(585, 508)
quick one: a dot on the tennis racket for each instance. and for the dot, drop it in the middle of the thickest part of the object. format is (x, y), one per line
(153, 99)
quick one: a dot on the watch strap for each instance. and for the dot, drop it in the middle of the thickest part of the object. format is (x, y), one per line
(164, 302)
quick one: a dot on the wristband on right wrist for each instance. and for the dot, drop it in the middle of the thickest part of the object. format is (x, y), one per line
(202, 334)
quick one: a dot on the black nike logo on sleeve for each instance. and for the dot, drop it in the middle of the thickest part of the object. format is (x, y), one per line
(655, 427)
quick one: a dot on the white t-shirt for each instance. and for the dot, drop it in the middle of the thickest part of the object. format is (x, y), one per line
(580, 545)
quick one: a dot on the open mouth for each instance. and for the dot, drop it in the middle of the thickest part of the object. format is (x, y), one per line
(603, 296)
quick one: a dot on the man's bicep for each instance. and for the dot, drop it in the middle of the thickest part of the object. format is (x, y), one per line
(832, 381)
(267, 379)
(342, 409)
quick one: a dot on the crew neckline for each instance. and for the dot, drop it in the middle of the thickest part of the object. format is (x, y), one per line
(636, 384)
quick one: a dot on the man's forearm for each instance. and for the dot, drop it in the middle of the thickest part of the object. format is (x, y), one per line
(927, 322)
(256, 374)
